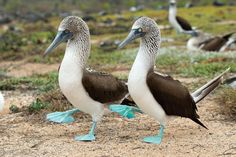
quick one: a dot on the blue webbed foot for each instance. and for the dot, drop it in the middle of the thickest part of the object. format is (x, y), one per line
(155, 139)
(88, 137)
(62, 117)
(124, 110)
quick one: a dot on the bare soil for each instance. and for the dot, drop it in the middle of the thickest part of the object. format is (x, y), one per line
(32, 135)
(22, 134)
(23, 68)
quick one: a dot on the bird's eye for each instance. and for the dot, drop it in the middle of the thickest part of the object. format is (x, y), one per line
(140, 30)
(66, 31)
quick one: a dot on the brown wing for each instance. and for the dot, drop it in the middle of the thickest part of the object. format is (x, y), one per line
(172, 96)
(103, 87)
(184, 23)
(214, 44)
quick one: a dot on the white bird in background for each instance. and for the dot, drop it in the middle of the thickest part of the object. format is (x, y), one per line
(1, 101)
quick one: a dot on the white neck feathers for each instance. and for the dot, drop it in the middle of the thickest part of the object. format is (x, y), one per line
(78, 49)
(172, 11)
(147, 53)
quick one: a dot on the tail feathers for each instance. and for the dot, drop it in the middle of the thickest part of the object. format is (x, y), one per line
(199, 122)
(227, 36)
(229, 42)
(128, 101)
(202, 92)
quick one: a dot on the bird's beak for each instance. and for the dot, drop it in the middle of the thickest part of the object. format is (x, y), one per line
(134, 34)
(192, 33)
(60, 37)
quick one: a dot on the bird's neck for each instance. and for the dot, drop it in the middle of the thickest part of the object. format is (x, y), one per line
(74, 61)
(78, 50)
(147, 53)
(172, 11)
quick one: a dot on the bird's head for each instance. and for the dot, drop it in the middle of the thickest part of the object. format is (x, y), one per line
(69, 28)
(172, 3)
(143, 27)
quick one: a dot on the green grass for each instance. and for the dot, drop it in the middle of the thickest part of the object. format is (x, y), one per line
(42, 83)
(37, 106)
(33, 38)
(172, 61)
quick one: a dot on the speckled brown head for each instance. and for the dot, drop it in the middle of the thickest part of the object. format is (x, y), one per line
(146, 25)
(73, 24)
(146, 29)
(70, 28)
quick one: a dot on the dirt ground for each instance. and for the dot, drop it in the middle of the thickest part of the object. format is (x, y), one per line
(31, 135)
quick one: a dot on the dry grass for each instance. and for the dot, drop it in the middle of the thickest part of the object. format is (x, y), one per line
(227, 97)
(56, 99)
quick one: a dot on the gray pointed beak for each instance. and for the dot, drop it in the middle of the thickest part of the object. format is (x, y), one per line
(134, 34)
(60, 37)
(57, 40)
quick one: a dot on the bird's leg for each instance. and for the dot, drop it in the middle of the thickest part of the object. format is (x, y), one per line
(90, 136)
(155, 139)
(62, 117)
(124, 110)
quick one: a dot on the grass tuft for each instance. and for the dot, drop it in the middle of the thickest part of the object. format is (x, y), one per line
(56, 99)
(227, 99)
(37, 106)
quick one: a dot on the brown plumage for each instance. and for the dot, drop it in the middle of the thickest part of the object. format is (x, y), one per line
(215, 43)
(184, 23)
(174, 98)
(103, 87)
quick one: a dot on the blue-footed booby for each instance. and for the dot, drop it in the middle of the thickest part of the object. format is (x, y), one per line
(1, 101)
(157, 95)
(85, 89)
(200, 41)
(178, 23)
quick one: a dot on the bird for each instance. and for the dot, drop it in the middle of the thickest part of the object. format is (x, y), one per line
(86, 89)
(217, 3)
(231, 82)
(195, 42)
(157, 95)
(180, 24)
(1, 101)
(200, 41)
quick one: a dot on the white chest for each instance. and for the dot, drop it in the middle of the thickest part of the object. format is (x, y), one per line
(173, 21)
(70, 82)
(140, 92)
(193, 44)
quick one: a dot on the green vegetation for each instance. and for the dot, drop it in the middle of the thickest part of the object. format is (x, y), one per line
(31, 39)
(169, 61)
(109, 5)
(42, 83)
(37, 106)
(14, 109)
